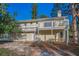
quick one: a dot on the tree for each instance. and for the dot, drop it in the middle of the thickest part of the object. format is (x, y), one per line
(7, 22)
(43, 16)
(66, 9)
(34, 11)
(55, 9)
(75, 15)
(71, 9)
(78, 28)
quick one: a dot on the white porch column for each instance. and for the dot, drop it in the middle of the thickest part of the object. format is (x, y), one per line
(67, 36)
(64, 36)
(58, 37)
(34, 36)
(67, 30)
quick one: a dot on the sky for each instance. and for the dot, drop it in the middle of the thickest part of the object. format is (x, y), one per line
(24, 10)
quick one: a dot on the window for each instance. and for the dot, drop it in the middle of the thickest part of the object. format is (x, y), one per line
(47, 24)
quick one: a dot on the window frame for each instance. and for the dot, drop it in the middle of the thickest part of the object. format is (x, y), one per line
(48, 24)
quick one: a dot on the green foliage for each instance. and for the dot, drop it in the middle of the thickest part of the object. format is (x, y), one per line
(7, 22)
(55, 9)
(66, 9)
(6, 52)
(43, 16)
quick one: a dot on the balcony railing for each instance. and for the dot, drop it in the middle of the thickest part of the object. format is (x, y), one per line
(62, 24)
(28, 29)
(56, 25)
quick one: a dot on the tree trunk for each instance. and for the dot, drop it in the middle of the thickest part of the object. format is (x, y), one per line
(74, 24)
(34, 11)
(75, 38)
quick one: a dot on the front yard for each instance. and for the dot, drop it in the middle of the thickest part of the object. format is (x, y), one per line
(36, 49)
(6, 52)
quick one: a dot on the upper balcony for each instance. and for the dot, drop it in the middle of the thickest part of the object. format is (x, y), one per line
(54, 24)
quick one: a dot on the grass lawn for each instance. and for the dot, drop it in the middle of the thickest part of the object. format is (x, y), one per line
(6, 52)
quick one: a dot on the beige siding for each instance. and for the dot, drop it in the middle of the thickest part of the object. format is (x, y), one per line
(30, 36)
(26, 37)
(48, 37)
(41, 37)
(41, 24)
(45, 34)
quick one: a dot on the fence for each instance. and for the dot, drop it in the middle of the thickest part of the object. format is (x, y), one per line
(12, 36)
(5, 37)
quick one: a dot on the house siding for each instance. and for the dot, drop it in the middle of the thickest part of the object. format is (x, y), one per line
(45, 33)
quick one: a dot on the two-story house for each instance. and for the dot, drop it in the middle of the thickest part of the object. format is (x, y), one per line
(54, 29)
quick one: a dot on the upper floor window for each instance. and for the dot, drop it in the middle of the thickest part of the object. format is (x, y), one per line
(47, 24)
